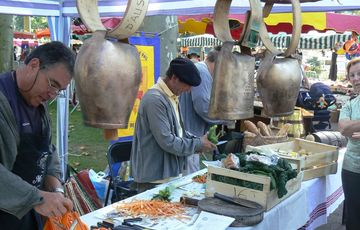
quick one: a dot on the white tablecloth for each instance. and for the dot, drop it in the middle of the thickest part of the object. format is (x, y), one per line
(307, 208)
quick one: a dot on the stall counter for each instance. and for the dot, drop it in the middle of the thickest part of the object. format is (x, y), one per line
(307, 208)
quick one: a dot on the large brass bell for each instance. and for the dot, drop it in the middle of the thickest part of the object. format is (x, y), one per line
(232, 94)
(279, 75)
(107, 70)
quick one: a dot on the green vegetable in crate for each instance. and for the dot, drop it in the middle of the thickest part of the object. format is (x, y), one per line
(163, 195)
(212, 135)
(279, 174)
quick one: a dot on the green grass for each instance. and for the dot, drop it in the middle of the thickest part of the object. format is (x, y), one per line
(87, 146)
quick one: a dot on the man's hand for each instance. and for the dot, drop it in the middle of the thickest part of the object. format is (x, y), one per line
(55, 204)
(207, 146)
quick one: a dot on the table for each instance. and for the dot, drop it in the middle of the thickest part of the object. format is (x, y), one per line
(307, 208)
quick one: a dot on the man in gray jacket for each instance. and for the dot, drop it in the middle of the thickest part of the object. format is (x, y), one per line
(195, 106)
(29, 165)
(161, 144)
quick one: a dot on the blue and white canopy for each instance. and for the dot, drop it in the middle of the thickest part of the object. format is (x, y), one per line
(157, 7)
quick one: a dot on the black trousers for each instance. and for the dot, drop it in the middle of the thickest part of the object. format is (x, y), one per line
(31, 221)
(351, 187)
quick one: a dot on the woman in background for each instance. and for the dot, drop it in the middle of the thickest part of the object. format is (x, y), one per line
(349, 126)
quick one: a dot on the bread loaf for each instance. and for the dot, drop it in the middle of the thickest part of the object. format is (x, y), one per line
(263, 128)
(251, 127)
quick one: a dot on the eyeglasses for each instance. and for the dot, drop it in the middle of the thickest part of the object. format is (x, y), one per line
(52, 88)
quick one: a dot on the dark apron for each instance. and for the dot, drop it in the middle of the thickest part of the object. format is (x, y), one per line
(30, 165)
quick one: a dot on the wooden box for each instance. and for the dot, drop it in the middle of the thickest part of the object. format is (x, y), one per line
(319, 160)
(266, 197)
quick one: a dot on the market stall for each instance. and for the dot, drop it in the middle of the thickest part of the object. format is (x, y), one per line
(307, 208)
(275, 23)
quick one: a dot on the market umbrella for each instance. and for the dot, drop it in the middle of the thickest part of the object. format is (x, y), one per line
(23, 35)
(275, 23)
(42, 33)
(79, 28)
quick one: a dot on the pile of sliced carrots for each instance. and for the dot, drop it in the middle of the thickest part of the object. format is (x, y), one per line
(152, 208)
(200, 178)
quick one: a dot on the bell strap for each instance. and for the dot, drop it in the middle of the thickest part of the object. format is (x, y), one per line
(134, 15)
(251, 27)
(296, 31)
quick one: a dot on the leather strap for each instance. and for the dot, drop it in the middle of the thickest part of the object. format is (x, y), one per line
(296, 32)
(132, 20)
(89, 14)
(134, 15)
(252, 25)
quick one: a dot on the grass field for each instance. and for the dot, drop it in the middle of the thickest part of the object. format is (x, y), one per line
(87, 146)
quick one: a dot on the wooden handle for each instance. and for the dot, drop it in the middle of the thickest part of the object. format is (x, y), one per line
(111, 134)
(132, 20)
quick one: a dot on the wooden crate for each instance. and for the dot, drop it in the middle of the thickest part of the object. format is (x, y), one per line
(267, 198)
(321, 161)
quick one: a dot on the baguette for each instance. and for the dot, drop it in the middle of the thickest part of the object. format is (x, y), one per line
(251, 127)
(263, 128)
(284, 129)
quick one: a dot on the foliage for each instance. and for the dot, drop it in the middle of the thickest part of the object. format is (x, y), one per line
(315, 64)
(87, 146)
(37, 23)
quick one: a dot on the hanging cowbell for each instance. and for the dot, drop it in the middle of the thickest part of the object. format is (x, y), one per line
(279, 75)
(107, 70)
(232, 94)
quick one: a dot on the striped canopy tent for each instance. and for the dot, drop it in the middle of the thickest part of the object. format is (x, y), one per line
(275, 23)
(312, 41)
(281, 41)
(205, 40)
(60, 12)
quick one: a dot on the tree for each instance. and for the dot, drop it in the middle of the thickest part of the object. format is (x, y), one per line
(315, 64)
(37, 23)
(6, 42)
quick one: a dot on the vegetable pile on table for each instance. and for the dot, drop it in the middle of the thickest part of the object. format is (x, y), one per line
(153, 209)
(279, 174)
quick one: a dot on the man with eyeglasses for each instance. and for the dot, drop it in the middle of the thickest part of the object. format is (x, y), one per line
(29, 166)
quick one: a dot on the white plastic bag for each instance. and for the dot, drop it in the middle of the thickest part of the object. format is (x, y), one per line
(100, 183)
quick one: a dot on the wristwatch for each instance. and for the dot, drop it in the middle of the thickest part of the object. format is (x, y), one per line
(58, 190)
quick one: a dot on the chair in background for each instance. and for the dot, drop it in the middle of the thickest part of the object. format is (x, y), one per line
(118, 153)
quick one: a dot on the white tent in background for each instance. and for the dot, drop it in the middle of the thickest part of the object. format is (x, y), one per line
(59, 14)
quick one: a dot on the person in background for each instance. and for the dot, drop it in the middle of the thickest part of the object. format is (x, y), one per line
(194, 57)
(161, 144)
(349, 126)
(194, 106)
(30, 172)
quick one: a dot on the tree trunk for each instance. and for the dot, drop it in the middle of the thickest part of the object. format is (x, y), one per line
(166, 27)
(6, 43)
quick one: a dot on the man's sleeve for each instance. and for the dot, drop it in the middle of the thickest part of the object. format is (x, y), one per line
(156, 113)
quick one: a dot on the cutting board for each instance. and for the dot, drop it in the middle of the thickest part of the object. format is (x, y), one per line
(243, 216)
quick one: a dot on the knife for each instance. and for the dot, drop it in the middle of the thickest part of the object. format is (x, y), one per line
(221, 142)
(238, 201)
